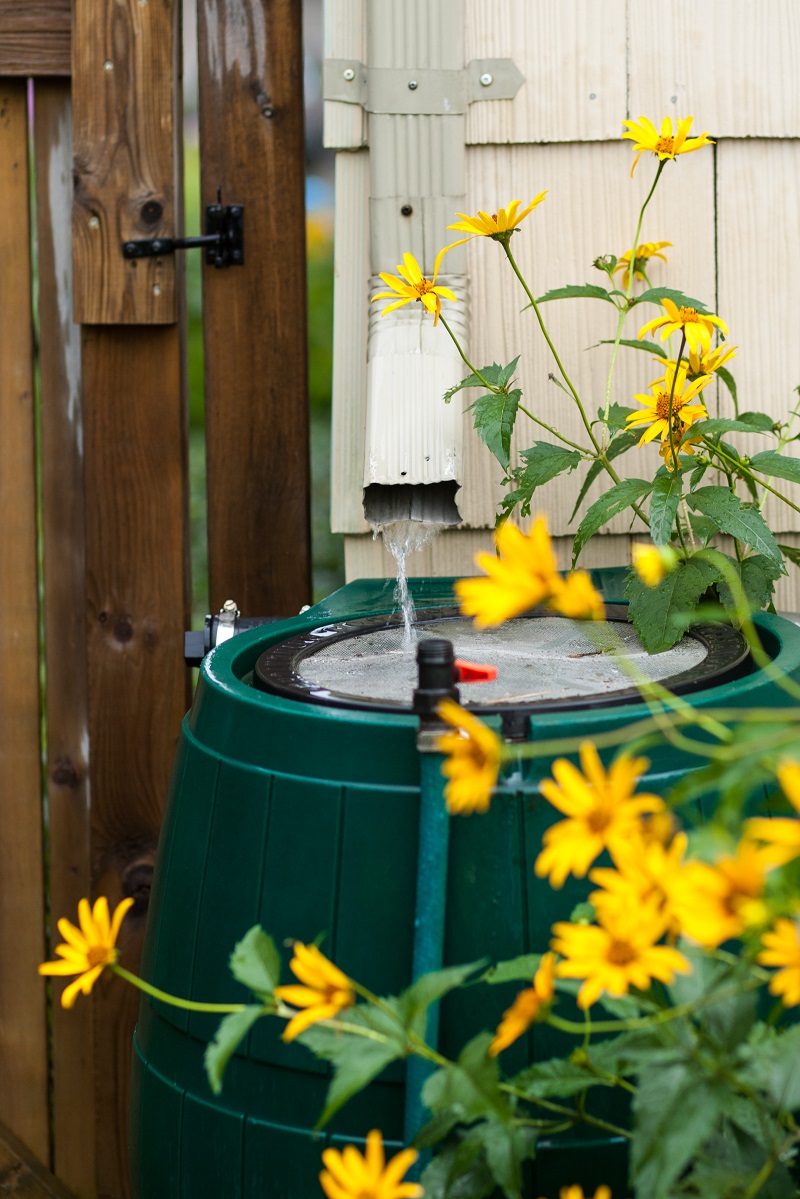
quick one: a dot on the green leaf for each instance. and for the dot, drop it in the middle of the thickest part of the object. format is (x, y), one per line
(746, 422)
(661, 614)
(543, 462)
(729, 381)
(650, 347)
(618, 445)
(675, 1112)
(667, 491)
(356, 1059)
(574, 290)
(414, 1002)
(256, 963)
(506, 1148)
(732, 517)
(495, 414)
(758, 576)
(738, 465)
(730, 1019)
(617, 414)
(620, 497)
(703, 528)
(792, 552)
(495, 374)
(459, 1171)
(655, 295)
(520, 969)
(230, 1033)
(471, 1086)
(772, 1067)
(559, 1077)
(777, 466)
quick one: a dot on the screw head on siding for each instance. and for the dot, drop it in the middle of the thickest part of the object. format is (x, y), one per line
(406, 210)
(486, 79)
(412, 85)
(349, 74)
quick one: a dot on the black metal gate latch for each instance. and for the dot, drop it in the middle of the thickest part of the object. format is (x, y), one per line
(223, 239)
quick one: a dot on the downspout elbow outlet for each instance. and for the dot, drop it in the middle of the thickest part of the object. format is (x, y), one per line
(413, 447)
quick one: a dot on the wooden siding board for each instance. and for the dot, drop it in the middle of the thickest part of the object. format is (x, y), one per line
(125, 57)
(23, 1037)
(137, 609)
(573, 57)
(64, 615)
(734, 68)
(251, 147)
(35, 37)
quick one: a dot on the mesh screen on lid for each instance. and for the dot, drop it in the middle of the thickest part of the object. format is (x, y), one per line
(548, 658)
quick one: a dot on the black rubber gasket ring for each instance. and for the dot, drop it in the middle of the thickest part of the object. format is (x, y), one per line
(277, 669)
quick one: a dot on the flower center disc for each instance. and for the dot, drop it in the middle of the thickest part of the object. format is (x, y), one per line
(620, 953)
(665, 145)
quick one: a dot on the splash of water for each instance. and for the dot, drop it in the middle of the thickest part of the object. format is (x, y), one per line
(401, 538)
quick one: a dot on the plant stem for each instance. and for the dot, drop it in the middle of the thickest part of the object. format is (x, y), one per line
(663, 1017)
(739, 466)
(670, 430)
(554, 432)
(474, 369)
(188, 1005)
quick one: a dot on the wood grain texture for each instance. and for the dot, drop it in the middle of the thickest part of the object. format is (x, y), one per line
(137, 608)
(251, 148)
(124, 134)
(573, 57)
(64, 616)
(732, 63)
(35, 37)
(23, 1036)
(758, 225)
(21, 1175)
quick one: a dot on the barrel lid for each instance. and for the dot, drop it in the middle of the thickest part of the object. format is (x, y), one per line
(544, 662)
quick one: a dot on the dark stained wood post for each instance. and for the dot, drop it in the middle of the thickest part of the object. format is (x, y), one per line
(126, 141)
(252, 151)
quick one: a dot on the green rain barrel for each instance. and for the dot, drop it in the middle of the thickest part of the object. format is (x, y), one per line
(302, 816)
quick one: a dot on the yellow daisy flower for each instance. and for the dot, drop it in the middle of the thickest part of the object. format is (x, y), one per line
(698, 327)
(522, 575)
(644, 252)
(353, 1175)
(644, 872)
(715, 903)
(617, 953)
(527, 1006)
(576, 1192)
(414, 286)
(666, 144)
(656, 407)
(653, 562)
(499, 226)
(473, 760)
(782, 948)
(602, 812)
(325, 993)
(88, 949)
(780, 833)
(708, 362)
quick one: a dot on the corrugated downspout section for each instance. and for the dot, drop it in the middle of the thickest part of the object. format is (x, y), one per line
(413, 438)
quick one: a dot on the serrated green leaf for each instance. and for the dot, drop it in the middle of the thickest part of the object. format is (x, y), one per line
(650, 347)
(506, 1148)
(792, 552)
(664, 501)
(773, 1068)
(738, 466)
(230, 1033)
(617, 414)
(758, 576)
(776, 465)
(575, 290)
(675, 1112)
(256, 963)
(459, 1171)
(488, 374)
(517, 969)
(470, 1086)
(729, 424)
(732, 517)
(507, 371)
(616, 500)
(729, 381)
(494, 417)
(356, 1059)
(619, 444)
(703, 528)
(660, 614)
(543, 462)
(558, 1077)
(654, 295)
(414, 1002)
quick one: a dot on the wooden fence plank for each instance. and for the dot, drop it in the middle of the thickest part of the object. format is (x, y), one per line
(124, 134)
(22, 1175)
(35, 37)
(64, 616)
(23, 1041)
(137, 608)
(251, 148)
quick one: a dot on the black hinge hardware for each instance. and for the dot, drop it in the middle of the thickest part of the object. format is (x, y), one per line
(223, 239)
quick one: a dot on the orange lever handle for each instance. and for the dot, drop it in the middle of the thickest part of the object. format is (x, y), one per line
(474, 672)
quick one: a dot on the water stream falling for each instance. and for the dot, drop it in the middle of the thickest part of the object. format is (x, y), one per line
(401, 538)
